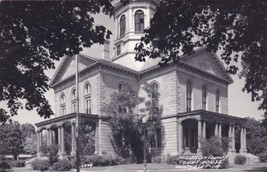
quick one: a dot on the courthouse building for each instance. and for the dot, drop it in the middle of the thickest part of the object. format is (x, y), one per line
(193, 93)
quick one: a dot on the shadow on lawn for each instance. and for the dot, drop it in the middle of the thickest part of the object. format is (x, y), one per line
(263, 169)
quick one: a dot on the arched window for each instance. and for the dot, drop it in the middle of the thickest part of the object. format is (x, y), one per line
(73, 100)
(62, 106)
(87, 89)
(204, 98)
(122, 26)
(217, 101)
(139, 21)
(188, 96)
(87, 98)
(62, 98)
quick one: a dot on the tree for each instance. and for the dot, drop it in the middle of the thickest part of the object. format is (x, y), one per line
(11, 137)
(35, 34)
(30, 145)
(256, 136)
(236, 29)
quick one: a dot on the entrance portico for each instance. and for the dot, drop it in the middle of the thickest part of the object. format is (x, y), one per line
(61, 131)
(195, 126)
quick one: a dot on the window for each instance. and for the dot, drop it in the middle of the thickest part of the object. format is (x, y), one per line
(217, 101)
(118, 50)
(87, 98)
(188, 96)
(139, 21)
(63, 106)
(158, 133)
(122, 26)
(73, 100)
(87, 89)
(154, 96)
(204, 98)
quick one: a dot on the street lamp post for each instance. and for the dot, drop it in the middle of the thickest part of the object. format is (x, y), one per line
(144, 121)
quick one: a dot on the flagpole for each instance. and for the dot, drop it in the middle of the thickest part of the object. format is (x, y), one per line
(78, 162)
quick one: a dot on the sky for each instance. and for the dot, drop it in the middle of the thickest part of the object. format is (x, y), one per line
(239, 103)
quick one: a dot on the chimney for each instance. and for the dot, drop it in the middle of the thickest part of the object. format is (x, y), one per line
(105, 50)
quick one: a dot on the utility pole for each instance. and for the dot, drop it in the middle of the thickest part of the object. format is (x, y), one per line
(78, 117)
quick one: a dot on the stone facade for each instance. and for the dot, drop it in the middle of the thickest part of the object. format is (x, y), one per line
(181, 129)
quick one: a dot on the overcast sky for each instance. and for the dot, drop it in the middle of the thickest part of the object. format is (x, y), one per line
(239, 103)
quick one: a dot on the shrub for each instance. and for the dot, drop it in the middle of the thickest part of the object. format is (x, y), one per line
(40, 164)
(157, 159)
(212, 147)
(240, 159)
(17, 163)
(104, 160)
(263, 157)
(50, 152)
(172, 159)
(62, 165)
(4, 166)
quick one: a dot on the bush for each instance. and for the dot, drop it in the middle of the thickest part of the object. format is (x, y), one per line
(172, 159)
(104, 160)
(212, 147)
(156, 159)
(40, 164)
(4, 166)
(17, 163)
(224, 164)
(240, 159)
(263, 157)
(50, 152)
(62, 165)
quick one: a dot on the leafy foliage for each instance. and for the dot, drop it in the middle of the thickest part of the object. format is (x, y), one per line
(17, 163)
(4, 166)
(214, 147)
(50, 152)
(40, 164)
(62, 165)
(11, 139)
(29, 139)
(33, 35)
(263, 157)
(240, 159)
(236, 29)
(256, 136)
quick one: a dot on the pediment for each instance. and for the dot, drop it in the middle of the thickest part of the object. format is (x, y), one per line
(67, 67)
(207, 62)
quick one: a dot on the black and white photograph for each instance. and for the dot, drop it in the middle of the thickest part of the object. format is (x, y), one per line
(133, 85)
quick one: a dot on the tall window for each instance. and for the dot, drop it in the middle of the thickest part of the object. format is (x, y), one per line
(122, 26)
(204, 98)
(118, 50)
(123, 86)
(73, 100)
(139, 21)
(155, 96)
(217, 101)
(87, 98)
(188, 96)
(62, 104)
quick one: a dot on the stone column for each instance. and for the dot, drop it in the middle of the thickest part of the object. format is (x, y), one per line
(241, 140)
(204, 130)
(230, 138)
(216, 129)
(73, 139)
(180, 128)
(199, 137)
(96, 139)
(59, 139)
(233, 138)
(62, 145)
(38, 143)
(245, 140)
(220, 130)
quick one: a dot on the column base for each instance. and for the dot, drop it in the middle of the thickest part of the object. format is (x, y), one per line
(62, 155)
(199, 152)
(244, 151)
